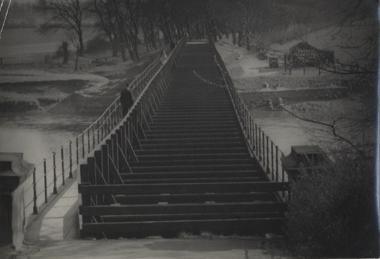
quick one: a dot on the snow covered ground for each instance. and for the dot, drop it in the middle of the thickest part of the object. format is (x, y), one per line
(252, 75)
(64, 103)
(95, 82)
(157, 248)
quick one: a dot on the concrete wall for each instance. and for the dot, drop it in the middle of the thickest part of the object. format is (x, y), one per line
(22, 169)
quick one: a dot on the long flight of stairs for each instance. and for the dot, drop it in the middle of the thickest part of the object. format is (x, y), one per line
(194, 173)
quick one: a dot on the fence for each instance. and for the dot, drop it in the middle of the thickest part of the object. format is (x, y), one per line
(259, 144)
(51, 175)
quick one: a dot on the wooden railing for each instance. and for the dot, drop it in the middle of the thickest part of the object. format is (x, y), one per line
(50, 176)
(116, 154)
(259, 144)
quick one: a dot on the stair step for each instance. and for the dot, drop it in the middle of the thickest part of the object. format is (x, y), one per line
(178, 108)
(100, 210)
(191, 135)
(191, 180)
(189, 151)
(189, 174)
(171, 228)
(198, 140)
(163, 112)
(175, 156)
(190, 216)
(192, 145)
(194, 126)
(175, 113)
(216, 187)
(210, 118)
(194, 197)
(196, 161)
(192, 166)
(205, 122)
(184, 130)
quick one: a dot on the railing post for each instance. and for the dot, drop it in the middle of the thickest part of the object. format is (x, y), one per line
(35, 209)
(45, 182)
(259, 142)
(267, 153)
(77, 149)
(88, 141)
(276, 163)
(93, 137)
(70, 161)
(98, 132)
(272, 161)
(263, 146)
(54, 175)
(250, 130)
(282, 174)
(83, 145)
(63, 166)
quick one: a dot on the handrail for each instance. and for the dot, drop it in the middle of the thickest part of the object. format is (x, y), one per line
(51, 174)
(260, 146)
(129, 130)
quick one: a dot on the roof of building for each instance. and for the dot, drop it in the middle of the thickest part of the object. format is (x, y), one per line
(302, 45)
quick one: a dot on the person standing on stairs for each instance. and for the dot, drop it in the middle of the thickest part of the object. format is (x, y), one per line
(126, 100)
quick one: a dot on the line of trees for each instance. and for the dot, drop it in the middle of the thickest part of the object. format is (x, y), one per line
(128, 23)
(125, 23)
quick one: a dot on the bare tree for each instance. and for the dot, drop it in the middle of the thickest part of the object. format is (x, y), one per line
(107, 22)
(68, 15)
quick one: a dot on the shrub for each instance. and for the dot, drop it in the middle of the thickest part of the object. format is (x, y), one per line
(333, 214)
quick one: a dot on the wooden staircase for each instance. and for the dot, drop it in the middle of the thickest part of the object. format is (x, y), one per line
(194, 172)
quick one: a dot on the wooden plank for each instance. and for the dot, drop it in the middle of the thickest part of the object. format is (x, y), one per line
(240, 226)
(242, 207)
(190, 216)
(192, 180)
(194, 197)
(183, 188)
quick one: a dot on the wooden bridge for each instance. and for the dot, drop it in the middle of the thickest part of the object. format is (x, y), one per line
(187, 157)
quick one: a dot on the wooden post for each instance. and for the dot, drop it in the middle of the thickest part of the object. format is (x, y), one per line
(63, 166)
(276, 163)
(88, 141)
(70, 161)
(54, 175)
(35, 209)
(272, 158)
(45, 182)
(77, 149)
(83, 146)
(267, 154)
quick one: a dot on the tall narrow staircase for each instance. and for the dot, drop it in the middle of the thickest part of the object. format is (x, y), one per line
(194, 172)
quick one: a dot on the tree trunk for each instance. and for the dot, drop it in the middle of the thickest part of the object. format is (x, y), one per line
(132, 54)
(247, 42)
(65, 51)
(76, 60)
(115, 48)
(136, 50)
(81, 44)
(234, 40)
(240, 38)
(122, 51)
(114, 45)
